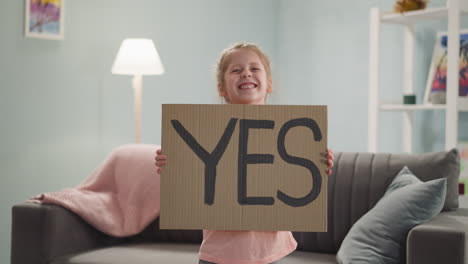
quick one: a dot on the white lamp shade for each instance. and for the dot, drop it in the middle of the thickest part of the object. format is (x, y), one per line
(137, 57)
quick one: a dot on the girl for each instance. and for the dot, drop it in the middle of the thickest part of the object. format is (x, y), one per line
(244, 77)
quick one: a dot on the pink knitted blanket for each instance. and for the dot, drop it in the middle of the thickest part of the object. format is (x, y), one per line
(121, 197)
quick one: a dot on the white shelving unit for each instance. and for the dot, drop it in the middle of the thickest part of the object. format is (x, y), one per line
(452, 13)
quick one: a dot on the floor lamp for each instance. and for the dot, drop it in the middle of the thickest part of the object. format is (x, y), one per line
(137, 57)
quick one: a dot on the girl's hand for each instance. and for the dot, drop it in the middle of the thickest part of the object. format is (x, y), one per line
(329, 160)
(161, 160)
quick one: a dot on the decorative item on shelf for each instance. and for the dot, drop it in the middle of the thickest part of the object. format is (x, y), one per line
(137, 57)
(409, 99)
(436, 85)
(409, 5)
(44, 19)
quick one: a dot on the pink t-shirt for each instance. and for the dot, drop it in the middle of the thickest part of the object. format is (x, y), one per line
(245, 247)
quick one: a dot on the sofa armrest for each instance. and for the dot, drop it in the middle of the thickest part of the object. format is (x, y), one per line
(42, 232)
(440, 240)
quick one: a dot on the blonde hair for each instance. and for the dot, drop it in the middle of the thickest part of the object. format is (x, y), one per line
(223, 62)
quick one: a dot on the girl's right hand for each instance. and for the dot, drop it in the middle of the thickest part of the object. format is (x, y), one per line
(160, 159)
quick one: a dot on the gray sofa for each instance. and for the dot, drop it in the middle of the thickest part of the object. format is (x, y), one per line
(51, 234)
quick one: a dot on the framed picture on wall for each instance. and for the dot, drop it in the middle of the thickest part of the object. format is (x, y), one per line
(44, 19)
(436, 85)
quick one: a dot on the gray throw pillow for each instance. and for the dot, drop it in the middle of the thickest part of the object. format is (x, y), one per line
(378, 235)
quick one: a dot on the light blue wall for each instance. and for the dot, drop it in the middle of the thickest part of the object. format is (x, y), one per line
(323, 59)
(61, 111)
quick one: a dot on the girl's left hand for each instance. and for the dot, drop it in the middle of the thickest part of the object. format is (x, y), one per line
(329, 160)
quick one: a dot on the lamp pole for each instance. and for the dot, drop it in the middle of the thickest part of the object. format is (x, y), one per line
(137, 57)
(137, 84)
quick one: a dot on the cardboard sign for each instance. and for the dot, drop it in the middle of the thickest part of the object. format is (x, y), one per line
(244, 167)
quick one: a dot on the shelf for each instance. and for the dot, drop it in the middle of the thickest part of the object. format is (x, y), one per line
(463, 108)
(378, 17)
(416, 16)
(415, 107)
(410, 107)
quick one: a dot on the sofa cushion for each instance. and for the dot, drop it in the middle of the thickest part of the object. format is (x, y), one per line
(359, 180)
(136, 254)
(379, 235)
(173, 253)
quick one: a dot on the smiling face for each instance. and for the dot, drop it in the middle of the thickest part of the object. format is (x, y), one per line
(245, 79)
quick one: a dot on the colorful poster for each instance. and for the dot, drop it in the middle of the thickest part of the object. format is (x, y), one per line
(44, 19)
(437, 79)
